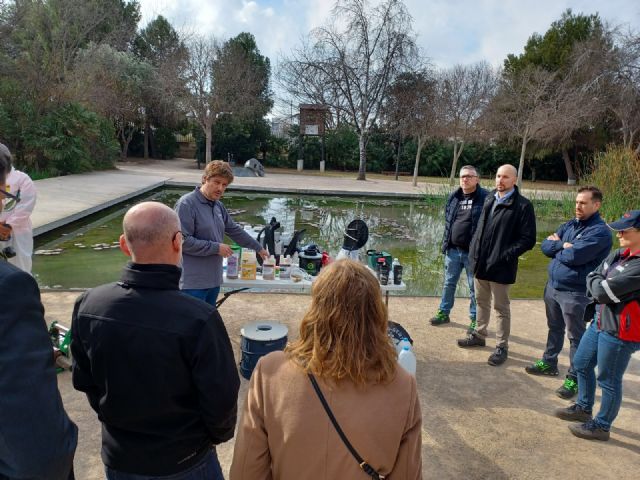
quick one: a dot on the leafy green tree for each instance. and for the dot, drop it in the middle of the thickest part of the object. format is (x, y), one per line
(114, 84)
(74, 140)
(553, 53)
(226, 79)
(160, 45)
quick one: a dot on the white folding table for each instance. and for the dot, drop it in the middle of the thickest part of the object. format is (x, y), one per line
(239, 285)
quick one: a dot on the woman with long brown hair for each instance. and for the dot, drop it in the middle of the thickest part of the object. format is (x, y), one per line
(286, 433)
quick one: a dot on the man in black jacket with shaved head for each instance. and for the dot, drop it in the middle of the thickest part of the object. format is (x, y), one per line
(506, 230)
(156, 364)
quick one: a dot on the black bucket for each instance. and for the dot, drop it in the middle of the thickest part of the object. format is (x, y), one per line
(257, 339)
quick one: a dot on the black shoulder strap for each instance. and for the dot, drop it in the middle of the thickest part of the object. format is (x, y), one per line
(368, 469)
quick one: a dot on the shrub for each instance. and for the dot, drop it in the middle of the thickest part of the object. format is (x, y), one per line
(165, 143)
(616, 172)
(72, 139)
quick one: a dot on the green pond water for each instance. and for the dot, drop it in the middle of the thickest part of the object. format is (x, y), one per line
(410, 230)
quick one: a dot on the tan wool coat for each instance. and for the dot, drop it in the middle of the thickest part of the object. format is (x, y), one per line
(285, 433)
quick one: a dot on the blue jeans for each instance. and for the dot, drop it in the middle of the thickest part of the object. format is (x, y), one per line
(611, 355)
(206, 469)
(565, 311)
(209, 295)
(454, 261)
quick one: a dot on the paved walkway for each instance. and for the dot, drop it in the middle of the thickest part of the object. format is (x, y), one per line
(479, 422)
(62, 200)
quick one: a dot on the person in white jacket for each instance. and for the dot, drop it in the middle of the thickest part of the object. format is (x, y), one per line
(15, 217)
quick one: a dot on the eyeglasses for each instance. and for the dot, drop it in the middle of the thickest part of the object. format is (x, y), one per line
(468, 177)
(176, 234)
(622, 232)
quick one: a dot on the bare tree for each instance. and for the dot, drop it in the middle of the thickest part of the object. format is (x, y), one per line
(349, 63)
(521, 108)
(464, 91)
(410, 109)
(221, 79)
(623, 89)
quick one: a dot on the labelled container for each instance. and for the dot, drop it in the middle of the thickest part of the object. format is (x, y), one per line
(374, 255)
(233, 263)
(397, 274)
(269, 269)
(257, 339)
(285, 268)
(311, 260)
(248, 265)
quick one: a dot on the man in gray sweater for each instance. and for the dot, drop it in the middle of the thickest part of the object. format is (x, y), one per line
(204, 221)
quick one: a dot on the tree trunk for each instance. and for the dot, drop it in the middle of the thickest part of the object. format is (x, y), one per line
(147, 129)
(571, 176)
(523, 151)
(457, 151)
(362, 145)
(417, 164)
(207, 148)
(124, 144)
(398, 156)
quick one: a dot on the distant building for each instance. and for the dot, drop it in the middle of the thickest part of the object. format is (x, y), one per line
(280, 127)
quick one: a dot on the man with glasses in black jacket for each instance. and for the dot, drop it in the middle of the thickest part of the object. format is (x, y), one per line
(156, 364)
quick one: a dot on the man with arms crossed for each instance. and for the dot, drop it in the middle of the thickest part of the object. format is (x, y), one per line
(507, 229)
(156, 364)
(576, 249)
(461, 219)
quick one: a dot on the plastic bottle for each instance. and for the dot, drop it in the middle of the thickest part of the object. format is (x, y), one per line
(401, 344)
(407, 360)
(248, 265)
(397, 272)
(233, 263)
(269, 268)
(285, 268)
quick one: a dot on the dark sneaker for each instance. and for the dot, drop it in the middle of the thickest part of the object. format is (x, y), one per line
(573, 413)
(589, 431)
(472, 325)
(568, 389)
(542, 368)
(440, 318)
(471, 340)
(498, 357)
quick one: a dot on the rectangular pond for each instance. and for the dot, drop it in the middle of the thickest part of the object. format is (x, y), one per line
(85, 254)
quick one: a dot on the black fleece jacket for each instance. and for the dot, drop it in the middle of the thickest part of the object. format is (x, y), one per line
(158, 368)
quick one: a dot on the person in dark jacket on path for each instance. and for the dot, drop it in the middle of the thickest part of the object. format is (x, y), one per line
(576, 248)
(614, 334)
(37, 439)
(462, 213)
(506, 230)
(155, 363)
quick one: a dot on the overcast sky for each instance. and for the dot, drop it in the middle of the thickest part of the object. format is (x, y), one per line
(449, 31)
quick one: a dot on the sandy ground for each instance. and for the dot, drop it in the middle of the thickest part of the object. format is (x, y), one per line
(479, 422)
